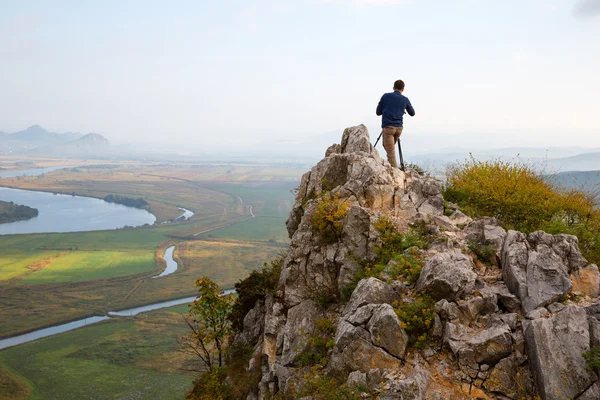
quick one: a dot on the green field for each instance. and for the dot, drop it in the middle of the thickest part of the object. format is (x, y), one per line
(124, 358)
(87, 265)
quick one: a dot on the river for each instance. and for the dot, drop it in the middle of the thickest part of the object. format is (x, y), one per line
(130, 312)
(171, 263)
(30, 172)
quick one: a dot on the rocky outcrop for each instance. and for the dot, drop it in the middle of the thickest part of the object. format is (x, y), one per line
(498, 329)
(536, 268)
(369, 334)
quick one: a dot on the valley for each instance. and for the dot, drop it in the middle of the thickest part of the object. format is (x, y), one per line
(52, 278)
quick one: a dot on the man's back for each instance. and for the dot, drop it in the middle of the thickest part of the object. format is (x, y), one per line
(391, 107)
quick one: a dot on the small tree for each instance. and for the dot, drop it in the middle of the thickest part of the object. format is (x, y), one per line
(209, 323)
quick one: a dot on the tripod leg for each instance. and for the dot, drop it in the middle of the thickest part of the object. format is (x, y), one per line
(401, 158)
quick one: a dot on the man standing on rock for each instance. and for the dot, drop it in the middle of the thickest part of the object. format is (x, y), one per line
(392, 107)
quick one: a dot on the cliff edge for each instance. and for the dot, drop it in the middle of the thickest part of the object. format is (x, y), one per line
(397, 295)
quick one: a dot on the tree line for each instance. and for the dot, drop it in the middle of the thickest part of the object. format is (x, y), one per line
(10, 212)
(126, 201)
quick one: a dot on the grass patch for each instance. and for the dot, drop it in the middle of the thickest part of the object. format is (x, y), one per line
(320, 341)
(13, 386)
(83, 265)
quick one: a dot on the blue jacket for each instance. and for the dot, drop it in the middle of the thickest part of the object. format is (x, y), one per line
(391, 108)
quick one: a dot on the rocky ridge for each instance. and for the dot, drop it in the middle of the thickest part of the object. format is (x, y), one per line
(504, 329)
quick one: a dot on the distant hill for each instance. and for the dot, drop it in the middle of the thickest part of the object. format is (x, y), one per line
(36, 133)
(92, 144)
(580, 162)
(586, 180)
(37, 140)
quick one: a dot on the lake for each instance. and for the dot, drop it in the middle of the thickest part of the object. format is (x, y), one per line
(66, 213)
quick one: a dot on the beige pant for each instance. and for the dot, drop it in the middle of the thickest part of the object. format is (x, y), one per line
(391, 134)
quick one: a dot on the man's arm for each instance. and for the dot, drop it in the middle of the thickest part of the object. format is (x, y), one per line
(379, 110)
(410, 109)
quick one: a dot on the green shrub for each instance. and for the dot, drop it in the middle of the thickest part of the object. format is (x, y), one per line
(256, 286)
(320, 386)
(210, 386)
(592, 358)
(327, 218)
(407, 266)
(486, 253)
(323, 295)
(391, 242)
(319, 343)
(416, 317)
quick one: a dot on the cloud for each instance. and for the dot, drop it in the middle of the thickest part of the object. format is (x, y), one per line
(587, 8)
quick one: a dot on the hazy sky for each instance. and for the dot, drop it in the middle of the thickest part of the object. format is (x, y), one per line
(512, 72)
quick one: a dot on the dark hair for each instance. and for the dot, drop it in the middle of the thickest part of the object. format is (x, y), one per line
(399, 85)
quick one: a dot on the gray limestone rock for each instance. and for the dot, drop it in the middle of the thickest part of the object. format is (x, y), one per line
(354, 351)
(540, 312)
(413, 387)
(459, 218)
(555, 347)
(594, 331)
(386, 331)
(444, 223)
(447, 276)
(509, 379)
(300, 324)
(486, 231)
(356, 379)
(370, 291)
(536, 268)
(487, 347)
(593, 393)
(506, 300)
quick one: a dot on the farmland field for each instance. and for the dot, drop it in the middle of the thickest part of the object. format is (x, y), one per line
(48, 279)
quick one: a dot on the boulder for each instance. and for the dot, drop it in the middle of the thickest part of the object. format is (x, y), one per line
(368, 336)
(459, 218)
(487, 347)
(444, 223)
(414, 387)
(509, 378)
(486, 231)
(536, 268)
(357, 379)
(506, 300)
(370, 291)
(354, 351)
(386, 331)
(555, 346)
(447, 276)
(299, 326)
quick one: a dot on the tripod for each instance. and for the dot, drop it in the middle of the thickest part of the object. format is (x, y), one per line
(399, 151)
